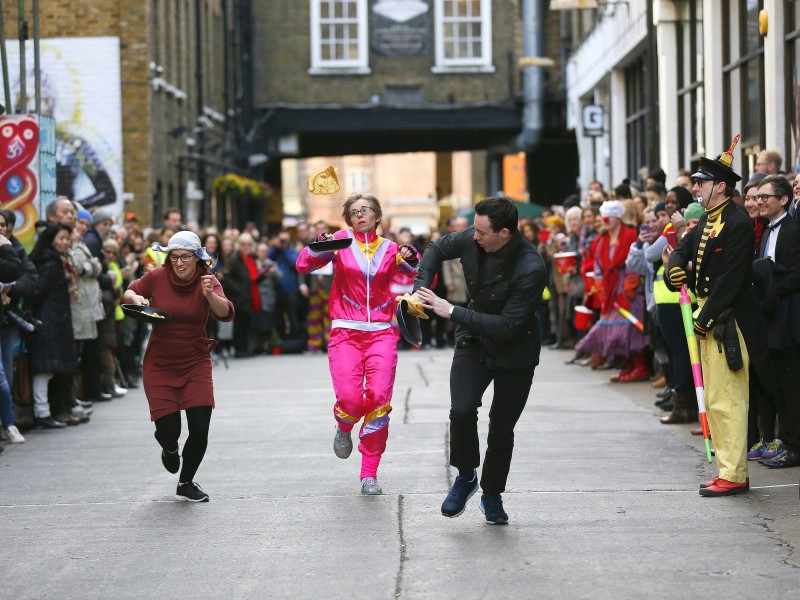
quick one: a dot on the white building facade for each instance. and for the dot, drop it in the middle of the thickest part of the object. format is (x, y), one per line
(675, 80)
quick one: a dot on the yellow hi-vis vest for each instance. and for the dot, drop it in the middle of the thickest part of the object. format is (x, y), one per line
(114, 267)
(662, 295)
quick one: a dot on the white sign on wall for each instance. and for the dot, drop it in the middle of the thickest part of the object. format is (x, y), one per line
(593, 120)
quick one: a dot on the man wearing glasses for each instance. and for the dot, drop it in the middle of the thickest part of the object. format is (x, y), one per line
(715, 261)
(777, 279)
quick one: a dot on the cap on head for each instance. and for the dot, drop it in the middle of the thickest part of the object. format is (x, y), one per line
(719, 169)
(693, 211)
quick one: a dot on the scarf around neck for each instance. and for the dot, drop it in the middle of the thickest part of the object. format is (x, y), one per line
(179, 285)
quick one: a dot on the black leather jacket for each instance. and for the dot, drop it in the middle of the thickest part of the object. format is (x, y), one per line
(501, 314)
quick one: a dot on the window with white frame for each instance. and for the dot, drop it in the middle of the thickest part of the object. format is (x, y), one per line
(339, 37)
(358, 181)
(463, 35)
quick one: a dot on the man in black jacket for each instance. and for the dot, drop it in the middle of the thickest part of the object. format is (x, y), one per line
(779, 251)
(497, 339)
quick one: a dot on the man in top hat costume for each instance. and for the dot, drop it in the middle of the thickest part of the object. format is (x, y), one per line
(715, 261)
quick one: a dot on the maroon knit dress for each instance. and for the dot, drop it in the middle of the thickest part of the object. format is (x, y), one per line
(177, 363)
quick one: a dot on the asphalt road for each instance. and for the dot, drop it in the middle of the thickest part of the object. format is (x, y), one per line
(602, 501)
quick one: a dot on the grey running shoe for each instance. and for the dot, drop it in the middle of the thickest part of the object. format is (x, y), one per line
(342, 443)
(370, 487)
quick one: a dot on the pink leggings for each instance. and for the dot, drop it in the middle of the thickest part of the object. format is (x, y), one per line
(363, 365)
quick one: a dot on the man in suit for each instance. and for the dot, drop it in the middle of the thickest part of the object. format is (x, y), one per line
(715, 260)
(780, 245)
(795, 200)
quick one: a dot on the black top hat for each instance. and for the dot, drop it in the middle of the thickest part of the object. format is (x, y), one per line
(719, 169)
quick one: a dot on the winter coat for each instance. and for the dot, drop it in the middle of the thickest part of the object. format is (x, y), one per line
(52, 345)
(87, 308)
(502, 310)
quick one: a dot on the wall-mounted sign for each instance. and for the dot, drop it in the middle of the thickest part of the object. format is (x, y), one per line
(593, 120)
(400, 28)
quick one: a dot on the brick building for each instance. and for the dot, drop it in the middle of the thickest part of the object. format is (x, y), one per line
(342, 77)
(178, 128)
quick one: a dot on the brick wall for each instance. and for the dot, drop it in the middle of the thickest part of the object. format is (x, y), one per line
(161, 32)
(283, 56)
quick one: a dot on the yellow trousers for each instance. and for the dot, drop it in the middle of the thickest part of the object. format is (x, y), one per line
(727, 396)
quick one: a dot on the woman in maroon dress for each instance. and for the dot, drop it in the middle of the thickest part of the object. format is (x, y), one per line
(177, 363)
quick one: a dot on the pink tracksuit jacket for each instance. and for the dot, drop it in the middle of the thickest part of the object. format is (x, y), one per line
(362, 350)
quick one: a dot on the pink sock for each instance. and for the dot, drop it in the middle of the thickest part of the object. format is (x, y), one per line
(369, 465)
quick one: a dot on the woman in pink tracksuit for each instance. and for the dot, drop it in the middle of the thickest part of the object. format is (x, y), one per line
(362, 350)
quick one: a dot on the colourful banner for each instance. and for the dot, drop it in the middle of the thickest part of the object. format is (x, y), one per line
(19, 173)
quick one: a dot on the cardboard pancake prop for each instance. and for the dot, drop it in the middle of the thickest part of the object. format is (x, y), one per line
(324, 182)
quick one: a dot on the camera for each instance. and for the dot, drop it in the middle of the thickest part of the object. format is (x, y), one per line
(27, 323)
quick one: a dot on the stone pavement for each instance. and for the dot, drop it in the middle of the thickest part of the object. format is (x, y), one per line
(602, 501)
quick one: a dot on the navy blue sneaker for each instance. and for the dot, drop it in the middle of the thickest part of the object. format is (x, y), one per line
(492, 506)
(462, 490)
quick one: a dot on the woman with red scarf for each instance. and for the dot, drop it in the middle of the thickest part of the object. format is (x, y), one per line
(614, 335)
(241, 284)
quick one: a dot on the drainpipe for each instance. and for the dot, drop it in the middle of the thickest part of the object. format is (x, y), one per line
(533, 16)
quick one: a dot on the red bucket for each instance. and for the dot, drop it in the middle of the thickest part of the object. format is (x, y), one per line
(566, 262)
(583, 318)
(544, 235)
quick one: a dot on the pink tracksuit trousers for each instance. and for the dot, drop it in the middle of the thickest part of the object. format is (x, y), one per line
(363, 365)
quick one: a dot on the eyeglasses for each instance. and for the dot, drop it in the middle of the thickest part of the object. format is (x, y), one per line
(185, 258)
(364, 211)
(763, 197)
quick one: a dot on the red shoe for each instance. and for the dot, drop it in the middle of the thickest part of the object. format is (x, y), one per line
(638, 372)
(723, 487)
(624, 373)
(716, 479)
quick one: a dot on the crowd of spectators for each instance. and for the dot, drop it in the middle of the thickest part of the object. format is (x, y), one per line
(606, 298)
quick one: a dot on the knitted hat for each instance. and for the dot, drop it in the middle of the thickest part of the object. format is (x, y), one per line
(693, 211)
(661, 206)
(84, 214)
(101, 215)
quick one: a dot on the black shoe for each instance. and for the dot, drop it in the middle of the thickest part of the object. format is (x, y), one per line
(192, 492)
(665, 392)
(784, 460)
(492, 506)
(171, 460)
(48, 423)
(462, 490)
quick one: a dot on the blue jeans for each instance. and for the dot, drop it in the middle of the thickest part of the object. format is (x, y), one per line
(6, 366)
